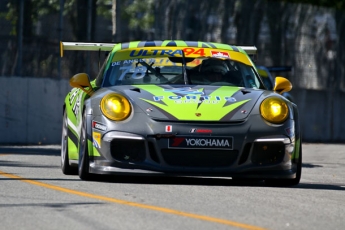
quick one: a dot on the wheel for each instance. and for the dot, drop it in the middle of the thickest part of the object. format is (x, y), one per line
(83, 161)
(66, 168)
(289, 182)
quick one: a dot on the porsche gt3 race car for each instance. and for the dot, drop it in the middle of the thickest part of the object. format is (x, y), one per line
(179, 108)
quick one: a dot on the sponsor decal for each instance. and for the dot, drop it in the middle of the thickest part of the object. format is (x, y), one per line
(74, 100)
(96, 137)
(214, 106)
(149, 110)
(194, 130)
(195, 99)
(185, 91)
(73, 95)
(155, 52)
(167, 52)
(220, 54)
(168, 128)
(201, 142)
(192, 96)
(99, 126)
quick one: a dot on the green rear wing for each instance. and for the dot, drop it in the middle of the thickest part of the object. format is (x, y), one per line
(94, 46)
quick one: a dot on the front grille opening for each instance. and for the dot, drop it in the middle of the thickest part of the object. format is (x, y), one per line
(245, 153)
(128, 150)
(199, 158)
(266, 153)
(153, 152)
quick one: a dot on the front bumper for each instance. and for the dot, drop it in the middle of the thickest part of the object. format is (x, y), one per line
(258, 151)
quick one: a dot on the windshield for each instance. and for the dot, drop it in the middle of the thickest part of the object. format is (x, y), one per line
(169, 70)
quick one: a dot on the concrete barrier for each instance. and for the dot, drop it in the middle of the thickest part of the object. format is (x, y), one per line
(321, 113)
(31, 112)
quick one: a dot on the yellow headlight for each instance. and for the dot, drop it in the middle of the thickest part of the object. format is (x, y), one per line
(115, 107)
(274, 110)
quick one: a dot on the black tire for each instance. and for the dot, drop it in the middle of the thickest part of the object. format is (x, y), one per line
(288, 182)
(66, 168)
(84, 162)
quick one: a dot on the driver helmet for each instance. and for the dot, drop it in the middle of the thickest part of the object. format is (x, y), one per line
(215, 68)
(214, 65)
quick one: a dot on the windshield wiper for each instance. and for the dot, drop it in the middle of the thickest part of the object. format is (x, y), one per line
(155, 71)
(184, 70)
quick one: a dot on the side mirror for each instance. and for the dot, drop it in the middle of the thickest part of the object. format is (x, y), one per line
(282, 85)
(82, 81)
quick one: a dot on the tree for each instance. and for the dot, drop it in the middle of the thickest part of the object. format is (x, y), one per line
(338, 78)
(248, 18)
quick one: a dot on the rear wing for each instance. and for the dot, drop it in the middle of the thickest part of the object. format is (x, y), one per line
(252, 52)
(85, 46)
(90, 46)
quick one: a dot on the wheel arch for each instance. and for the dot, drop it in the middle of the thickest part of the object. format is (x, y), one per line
(87, 111)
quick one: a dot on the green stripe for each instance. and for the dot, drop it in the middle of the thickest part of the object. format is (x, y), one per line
(187, 111)
(95, 152)
(296, 153)
(72, 150)
(134, 44)
(90, 147)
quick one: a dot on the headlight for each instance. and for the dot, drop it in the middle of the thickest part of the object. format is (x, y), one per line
(115, 107)
(274, 110)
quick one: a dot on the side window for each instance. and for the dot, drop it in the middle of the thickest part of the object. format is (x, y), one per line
(251, 81)
(267, 83)
(100, 75)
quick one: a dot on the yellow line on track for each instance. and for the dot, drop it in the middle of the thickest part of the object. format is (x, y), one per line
(138, 205)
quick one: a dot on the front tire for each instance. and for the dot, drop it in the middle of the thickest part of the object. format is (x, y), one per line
(66, 168)
(84, 162)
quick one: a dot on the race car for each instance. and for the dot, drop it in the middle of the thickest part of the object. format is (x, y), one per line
(179, 108)
(268, 79)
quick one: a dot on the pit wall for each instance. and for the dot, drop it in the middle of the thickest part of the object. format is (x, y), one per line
(31, 112)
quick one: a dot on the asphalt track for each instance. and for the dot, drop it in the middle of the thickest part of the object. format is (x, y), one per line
(34, 194)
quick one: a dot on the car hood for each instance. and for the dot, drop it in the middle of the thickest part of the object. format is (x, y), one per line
(193, 103)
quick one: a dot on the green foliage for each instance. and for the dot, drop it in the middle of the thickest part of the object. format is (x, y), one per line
(11, 15)
(139, 13)
(104, 8)
(35, 8)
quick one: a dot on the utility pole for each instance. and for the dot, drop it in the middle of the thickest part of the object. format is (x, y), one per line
(62, 2)
(89, 20)
(116, 21)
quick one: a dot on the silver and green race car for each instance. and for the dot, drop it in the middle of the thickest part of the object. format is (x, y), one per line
(179, 108)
